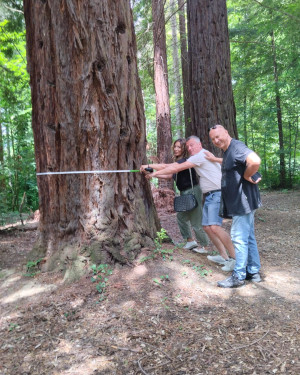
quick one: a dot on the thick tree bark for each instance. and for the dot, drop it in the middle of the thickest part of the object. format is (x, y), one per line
(184, 68)
(210, 74)
(163, 116)
(88, 115)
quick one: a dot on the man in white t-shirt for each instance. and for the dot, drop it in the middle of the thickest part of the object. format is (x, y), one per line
(210, 183)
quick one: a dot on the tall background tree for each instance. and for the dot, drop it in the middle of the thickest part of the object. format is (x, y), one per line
(184, 66)
(161, 84)
(176, 72)
(88, 115)
(210, 73)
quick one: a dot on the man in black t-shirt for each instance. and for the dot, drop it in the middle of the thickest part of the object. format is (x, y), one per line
(241, 198)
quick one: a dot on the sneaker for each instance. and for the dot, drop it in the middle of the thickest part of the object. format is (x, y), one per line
(228, 265)
(216, 258)
(254, 277)
(190, 245)
(200, 250)
(231, 282)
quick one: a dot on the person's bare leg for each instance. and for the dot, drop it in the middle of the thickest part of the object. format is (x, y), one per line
(224, 237)
(216, 241)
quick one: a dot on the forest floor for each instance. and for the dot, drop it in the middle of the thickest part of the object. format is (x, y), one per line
(161, 316)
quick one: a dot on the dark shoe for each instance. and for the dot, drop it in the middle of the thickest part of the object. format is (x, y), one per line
(254, 277)
(231, 282)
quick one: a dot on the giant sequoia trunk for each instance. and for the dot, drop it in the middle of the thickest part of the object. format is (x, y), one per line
(88, 115)
(210, 74)
(163, 115)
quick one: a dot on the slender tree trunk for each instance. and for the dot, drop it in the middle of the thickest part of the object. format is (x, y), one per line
(1, 145)
(7, 131)
(184, 68)
(295, 148)
(265, 146)
(245, 120)
(176, 75)
(282, 172)
(163, 116)
(290, 146)
(14, 181)
(8, 158)
(2, 177)
(88, 115)
(210, 74)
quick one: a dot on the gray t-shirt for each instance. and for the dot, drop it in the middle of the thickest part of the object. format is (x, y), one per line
(209, 172)
(240, 196)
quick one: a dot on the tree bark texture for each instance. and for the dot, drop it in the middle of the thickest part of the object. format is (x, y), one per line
(184, 67)
(88, 115)
(163, 116)
(210, 73)
(176, 76)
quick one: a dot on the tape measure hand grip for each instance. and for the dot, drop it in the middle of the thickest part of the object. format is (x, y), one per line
(148, 169)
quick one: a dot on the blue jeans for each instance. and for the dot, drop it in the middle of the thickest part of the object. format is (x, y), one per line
(245, 246)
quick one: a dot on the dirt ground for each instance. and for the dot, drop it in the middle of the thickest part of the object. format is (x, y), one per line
(161, 316)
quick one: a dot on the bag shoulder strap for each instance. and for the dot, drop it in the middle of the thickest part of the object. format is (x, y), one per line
(190, 178)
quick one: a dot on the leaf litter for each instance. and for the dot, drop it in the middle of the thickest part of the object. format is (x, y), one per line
(182, 324)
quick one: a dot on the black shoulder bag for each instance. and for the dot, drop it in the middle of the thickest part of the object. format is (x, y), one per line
(186, 202)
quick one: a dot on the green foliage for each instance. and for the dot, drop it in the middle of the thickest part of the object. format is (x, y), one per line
(17, 163)
(100, 276)
(159, 281)
(199, 269)
(33, 267)
(264, 36)
(163, 302)
(158, 250)
(13, 326)
(160, 237)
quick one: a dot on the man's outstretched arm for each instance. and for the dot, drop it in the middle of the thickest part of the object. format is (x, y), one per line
(172, 168)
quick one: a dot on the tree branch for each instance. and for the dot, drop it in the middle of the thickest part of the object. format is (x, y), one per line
(12, 9)
(277, 10)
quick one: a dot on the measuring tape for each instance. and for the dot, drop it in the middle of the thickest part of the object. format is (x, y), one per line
(86, 172)
(94, 172)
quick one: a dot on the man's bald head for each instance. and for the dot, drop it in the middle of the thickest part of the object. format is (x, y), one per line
(220, 137)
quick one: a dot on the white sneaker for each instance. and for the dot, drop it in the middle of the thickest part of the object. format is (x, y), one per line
(228, 265)
(216, 258)
(200, 250)
(190, 245)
